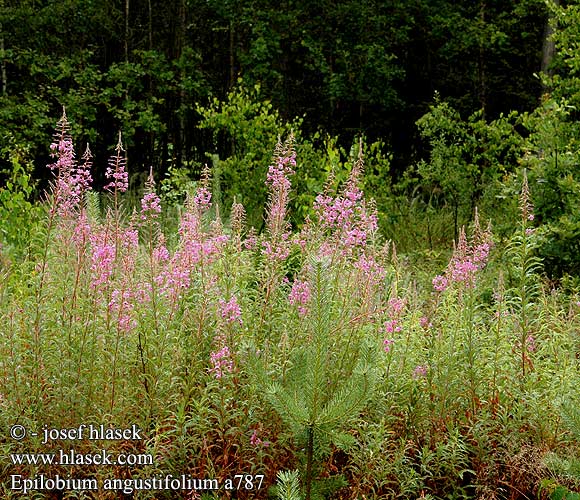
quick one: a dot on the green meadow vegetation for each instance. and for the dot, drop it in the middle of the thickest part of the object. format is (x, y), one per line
(318, 359)
(296, 317)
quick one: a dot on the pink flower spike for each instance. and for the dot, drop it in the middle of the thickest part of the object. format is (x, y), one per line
(161, 254)
(102, 260)
(122, 307)
(440, 283)
(150, 206)
(230, 311)
(396, 305)
(256, 441)
(116, 171)
(72, 180)
(202, 198)
(300, 296)
(250, 242)
(279, 172)
(420, 372)
(531, 343)
(391, 326)
(222, 362)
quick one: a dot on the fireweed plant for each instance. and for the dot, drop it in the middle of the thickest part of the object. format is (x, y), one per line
(315, 356)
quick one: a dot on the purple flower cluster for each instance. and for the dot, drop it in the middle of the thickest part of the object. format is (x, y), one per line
(278, 250)
(196, 248)
(150, 206)
(202, 198)
(64, 153)
(346, 215)
(279, 172)
(440, 283)
(121, 306)
(391, 326)
(256, 441)
(82, 231)
(300, 296)
(82, 177)
(160, 253)
(387, 343)
(370, 268)
(531, 345)
(72, 180)
(116, 171)
(230, 311)
(251, 240)
(396, 308)
(420, 372)
(102, 259)
(222, 362)
(466, 261)
(277, 247)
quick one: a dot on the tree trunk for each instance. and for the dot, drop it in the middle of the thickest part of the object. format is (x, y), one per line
(181, 146)
(481, 63)
(309, 460)
(150, 25)
(2, 57)
(126, 31)
(548, 46)
(232, 59)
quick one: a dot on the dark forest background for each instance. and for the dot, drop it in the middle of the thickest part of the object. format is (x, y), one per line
(346, 67)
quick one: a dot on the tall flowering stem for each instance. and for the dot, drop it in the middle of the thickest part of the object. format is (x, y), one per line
(117, 174)
(468, 259)
(276, 247)
(300, 296)
(117, 171)
(82, 226)
(526, 266)
(121, 305)
(63, 199)
(150, 211)
(63, 185)
(223, 358)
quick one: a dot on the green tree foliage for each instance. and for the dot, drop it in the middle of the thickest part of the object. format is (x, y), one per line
(473, 50)
(552, 151)
(247, 127)
(250, 127)
(468, 160)
(327, 384)
(18, 214)
(349, 67)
